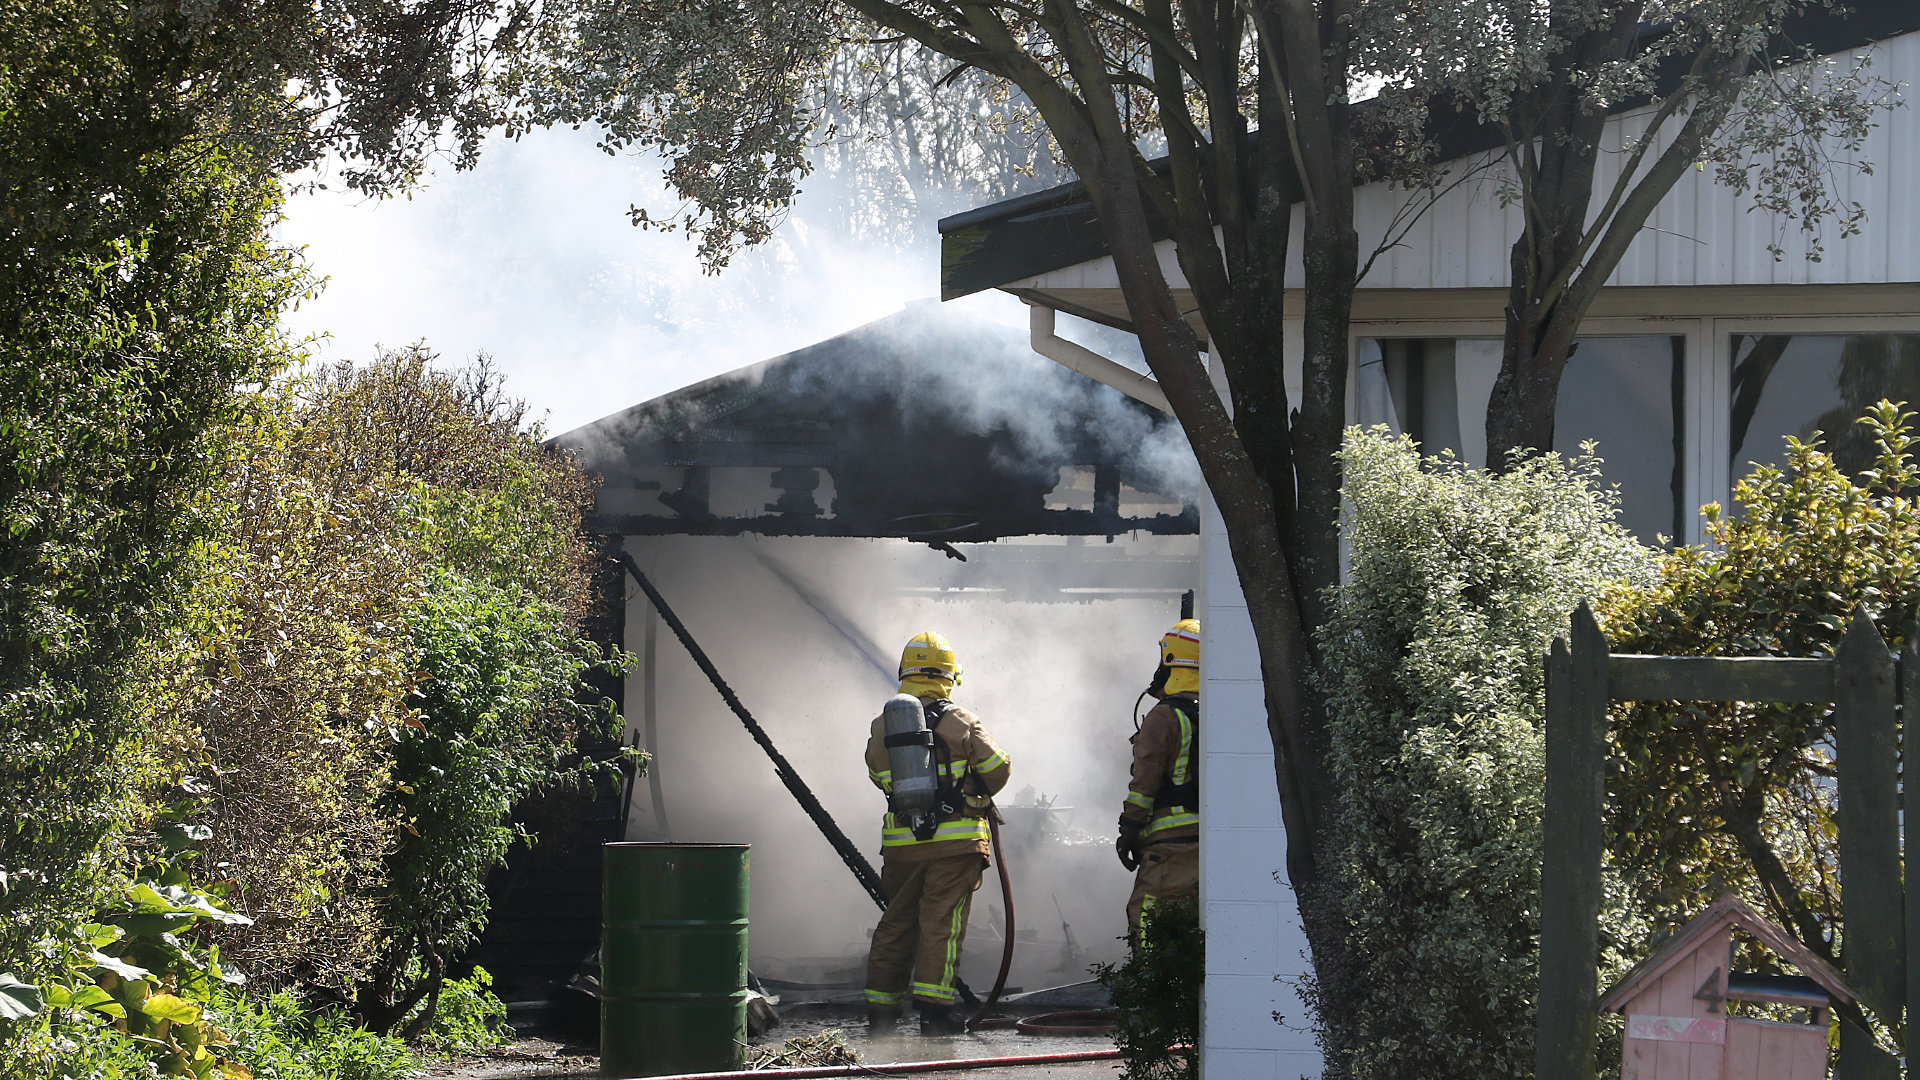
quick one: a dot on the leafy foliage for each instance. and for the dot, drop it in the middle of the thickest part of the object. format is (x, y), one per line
(1711, 797)
(164, 533)
(140, 146)
(279, 689)
(146, 972)
(496, 722)
(375, 656)
(137, 288)
(1156, 992)
(469, 1019)
(1458, 580)
(425, 524)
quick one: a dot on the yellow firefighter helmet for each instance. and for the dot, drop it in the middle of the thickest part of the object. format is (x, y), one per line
(927, 664)
(1180, 645)
(1180, 656)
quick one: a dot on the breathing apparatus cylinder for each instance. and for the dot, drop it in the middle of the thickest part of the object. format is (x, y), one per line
(909, 742)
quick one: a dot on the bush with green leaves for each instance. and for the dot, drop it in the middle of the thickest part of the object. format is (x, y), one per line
(279, 688)
(281, 1036)
(497, 721)
(1709, 797)
(1458, 580)
(145, 973)
(1156, 993)
(378, 656)
(121, 344)
(469, 1018)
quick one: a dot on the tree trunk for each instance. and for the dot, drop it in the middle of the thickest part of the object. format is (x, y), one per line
(1520, 412)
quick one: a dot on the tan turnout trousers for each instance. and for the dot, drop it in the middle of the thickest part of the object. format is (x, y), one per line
(916, 947)
(1168, 870)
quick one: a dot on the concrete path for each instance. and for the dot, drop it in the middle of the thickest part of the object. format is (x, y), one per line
(540, 1059)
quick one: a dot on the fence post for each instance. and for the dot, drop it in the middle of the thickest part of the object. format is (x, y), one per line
(1874, 945)
(1909, 668)
(1571, 843)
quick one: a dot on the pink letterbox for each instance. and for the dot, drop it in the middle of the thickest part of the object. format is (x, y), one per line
(1674, 1001)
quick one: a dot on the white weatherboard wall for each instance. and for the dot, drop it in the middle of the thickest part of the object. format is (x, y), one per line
(1253, 1025)
(1701, 233)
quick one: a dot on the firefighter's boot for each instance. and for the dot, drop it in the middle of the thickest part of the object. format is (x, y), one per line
(938, 1019)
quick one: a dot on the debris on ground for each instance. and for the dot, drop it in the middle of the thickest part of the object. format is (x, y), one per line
(824, 1048)
(762, 1016)
(528, 1058)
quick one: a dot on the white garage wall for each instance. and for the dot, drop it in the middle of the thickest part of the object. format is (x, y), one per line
(1253, 1023)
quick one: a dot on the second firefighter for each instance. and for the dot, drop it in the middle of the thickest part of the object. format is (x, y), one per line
(1160, 820)
(931, 860)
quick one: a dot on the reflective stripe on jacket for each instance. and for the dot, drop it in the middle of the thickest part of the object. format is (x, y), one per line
(1162, 749)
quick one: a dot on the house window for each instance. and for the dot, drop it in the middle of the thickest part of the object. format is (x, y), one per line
(1626, 394)
(1799, 384)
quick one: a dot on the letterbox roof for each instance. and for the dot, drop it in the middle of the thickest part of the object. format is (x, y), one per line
(1729, 910)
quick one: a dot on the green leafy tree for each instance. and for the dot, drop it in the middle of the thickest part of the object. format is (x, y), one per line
(461, 654)
(1458, 579)
(1709, 797)
(141, 147)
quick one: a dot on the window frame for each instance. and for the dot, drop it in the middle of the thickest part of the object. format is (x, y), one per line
(1697, 398)
(1725, 328)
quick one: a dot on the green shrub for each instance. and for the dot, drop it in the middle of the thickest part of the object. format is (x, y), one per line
(1710, 797)
(278, 691)
(470, 1019)
(496, 722)
(1156, 992)
(1458, 579)
(69, 1045)
(131, 304)
(377, 658)
(277, 1036)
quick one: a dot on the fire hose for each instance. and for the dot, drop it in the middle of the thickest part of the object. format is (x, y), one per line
(1006, 950)
(849, 854)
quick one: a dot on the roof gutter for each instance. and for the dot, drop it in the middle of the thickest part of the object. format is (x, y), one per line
(1076, 357)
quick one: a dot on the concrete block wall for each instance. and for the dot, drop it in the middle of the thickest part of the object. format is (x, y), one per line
(1253, 1024)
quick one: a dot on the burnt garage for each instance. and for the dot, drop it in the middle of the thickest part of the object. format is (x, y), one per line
(804, 517)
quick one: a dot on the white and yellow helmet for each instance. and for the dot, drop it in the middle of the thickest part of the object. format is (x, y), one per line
(1180, 655)
(928, 667)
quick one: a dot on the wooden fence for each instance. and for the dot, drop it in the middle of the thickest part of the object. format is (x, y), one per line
(1869, 689)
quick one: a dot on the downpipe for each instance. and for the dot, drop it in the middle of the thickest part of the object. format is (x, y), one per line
(1076, 357)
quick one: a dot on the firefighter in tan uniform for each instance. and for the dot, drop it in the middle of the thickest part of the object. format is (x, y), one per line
(929, 879)
(1160, 821)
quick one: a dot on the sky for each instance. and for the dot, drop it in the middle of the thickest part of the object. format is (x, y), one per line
(531, 259)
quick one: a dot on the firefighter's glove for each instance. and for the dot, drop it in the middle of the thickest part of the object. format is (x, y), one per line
(1127, 846)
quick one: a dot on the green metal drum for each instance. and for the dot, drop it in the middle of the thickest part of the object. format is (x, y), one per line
(673, 959)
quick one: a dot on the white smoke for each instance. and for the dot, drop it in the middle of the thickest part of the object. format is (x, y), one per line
(1053, 674)
(530, 258)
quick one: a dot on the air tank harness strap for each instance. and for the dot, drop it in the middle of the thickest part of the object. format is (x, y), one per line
(1186, 794)
(947, 800)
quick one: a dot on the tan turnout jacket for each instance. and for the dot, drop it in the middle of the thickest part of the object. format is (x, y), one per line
(974, 762)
